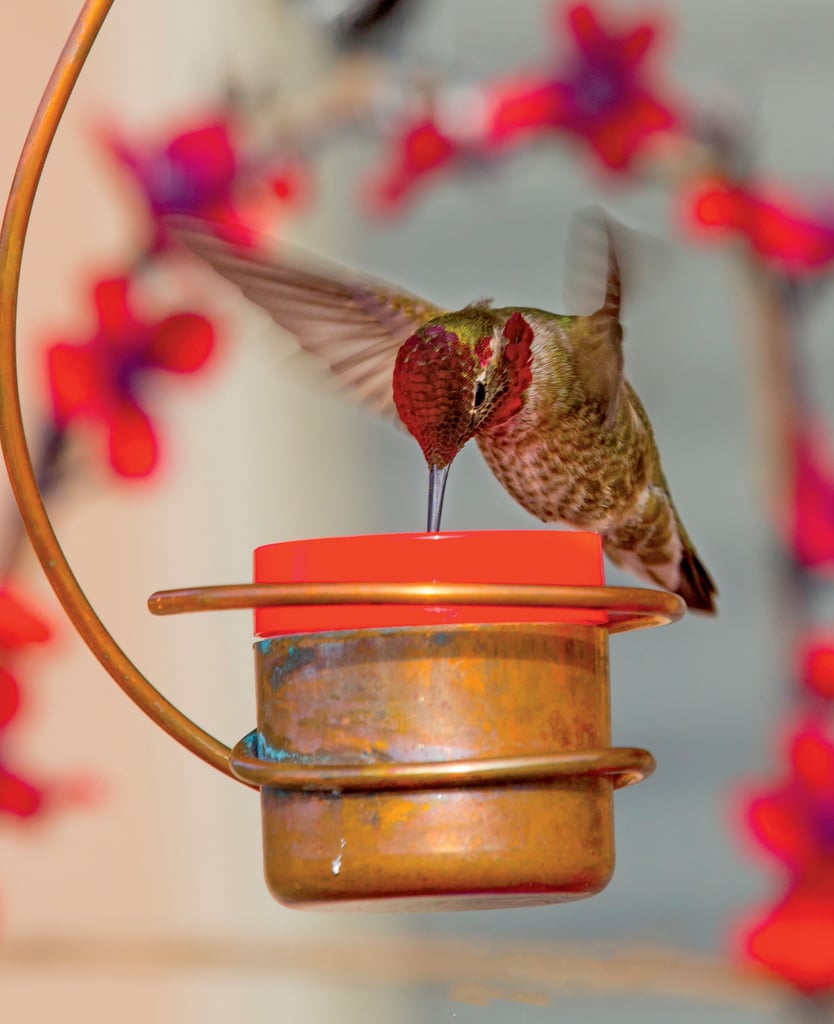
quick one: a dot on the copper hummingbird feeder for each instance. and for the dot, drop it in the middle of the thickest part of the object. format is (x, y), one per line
(432, 741)
(427, 738)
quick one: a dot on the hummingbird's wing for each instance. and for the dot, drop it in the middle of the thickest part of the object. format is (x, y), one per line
(352, 323)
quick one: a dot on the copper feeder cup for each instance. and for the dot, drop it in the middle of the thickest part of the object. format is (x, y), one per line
(434, 744)
(437, 755)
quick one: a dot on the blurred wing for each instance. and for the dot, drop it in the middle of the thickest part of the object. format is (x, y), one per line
(352, 323)
(593, 284)
(586, 264)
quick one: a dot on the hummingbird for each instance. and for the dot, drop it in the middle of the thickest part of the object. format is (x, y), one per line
(542, 394)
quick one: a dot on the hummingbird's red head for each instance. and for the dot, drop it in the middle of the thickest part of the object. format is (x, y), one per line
(434, 382)
(460, 374)
(455, 377)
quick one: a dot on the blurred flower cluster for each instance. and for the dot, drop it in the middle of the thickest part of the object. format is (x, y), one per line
(105, 380)
(794, 822)
(599, 91)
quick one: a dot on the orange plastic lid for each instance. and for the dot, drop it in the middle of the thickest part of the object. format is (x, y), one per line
(512, 557)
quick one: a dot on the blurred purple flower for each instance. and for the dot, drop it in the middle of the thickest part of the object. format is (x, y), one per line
(200, 170)
(102, 379)
(602, 95)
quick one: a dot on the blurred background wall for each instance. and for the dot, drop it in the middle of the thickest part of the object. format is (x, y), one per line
(263, 452)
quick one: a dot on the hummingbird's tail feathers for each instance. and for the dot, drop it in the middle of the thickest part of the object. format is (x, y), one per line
(655, 546)
(696, 585)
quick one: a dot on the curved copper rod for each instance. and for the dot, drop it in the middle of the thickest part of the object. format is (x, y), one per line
(627, 765)
(628, 608)
(15, 450)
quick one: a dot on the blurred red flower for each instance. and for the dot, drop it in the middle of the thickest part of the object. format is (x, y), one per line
(778, 229)
(199, 170)
(102, 379)
(17, 796)
(419, 151)
(20, 626)
(795, 820)
(795, 939)
(810, 524)
(817, 664)
(9, 697)
(602, 95)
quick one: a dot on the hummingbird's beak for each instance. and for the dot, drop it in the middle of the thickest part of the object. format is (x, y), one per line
(437, 487)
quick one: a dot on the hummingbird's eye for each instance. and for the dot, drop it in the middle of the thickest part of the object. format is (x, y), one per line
(480, 394)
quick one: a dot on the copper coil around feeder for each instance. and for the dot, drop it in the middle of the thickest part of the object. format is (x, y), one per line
(625, 765)
(626, 608)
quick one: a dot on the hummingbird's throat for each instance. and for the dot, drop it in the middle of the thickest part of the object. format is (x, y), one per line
(437, 488)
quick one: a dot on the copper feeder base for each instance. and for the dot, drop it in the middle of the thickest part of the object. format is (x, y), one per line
(528, 704)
